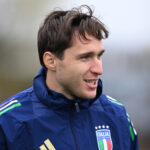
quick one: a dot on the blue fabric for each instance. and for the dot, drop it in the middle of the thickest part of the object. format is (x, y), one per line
(46, 114)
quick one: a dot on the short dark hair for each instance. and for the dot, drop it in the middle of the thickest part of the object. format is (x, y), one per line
(56, 33)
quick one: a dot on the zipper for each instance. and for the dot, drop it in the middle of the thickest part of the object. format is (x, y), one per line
(71, 124)
(77, 107)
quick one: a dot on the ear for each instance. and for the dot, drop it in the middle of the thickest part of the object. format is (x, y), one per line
(49, 61)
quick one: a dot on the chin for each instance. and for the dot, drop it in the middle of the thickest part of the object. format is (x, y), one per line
(88, 96)
(91, 97)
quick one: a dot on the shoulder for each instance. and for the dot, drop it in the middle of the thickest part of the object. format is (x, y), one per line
(19, 102)
(111, 105)
(112, 102)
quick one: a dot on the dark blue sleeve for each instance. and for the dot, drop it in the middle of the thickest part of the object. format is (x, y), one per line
(133, 135)
(3, 145)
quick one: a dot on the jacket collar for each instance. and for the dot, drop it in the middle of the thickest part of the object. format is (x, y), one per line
(57, 100)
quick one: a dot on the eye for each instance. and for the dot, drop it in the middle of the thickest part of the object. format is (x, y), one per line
(100, 56)
(85, 58)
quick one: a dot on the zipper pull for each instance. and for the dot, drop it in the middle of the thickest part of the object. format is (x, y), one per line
(77, 107)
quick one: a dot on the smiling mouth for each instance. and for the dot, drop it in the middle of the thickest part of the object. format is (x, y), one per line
(91, 83)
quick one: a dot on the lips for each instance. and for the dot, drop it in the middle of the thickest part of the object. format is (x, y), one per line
(91, 83)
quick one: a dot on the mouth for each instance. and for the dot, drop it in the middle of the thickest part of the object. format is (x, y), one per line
(91, 83)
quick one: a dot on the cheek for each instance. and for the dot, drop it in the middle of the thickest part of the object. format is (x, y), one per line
(72, 72)
(64, 73)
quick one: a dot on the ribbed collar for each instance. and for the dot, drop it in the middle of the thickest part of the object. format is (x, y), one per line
(57, 100)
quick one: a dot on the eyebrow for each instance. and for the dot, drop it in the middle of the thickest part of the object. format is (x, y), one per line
(90, 53)
(101, 53)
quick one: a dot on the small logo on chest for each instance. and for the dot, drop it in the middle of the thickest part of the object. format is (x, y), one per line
(47, 145)
(103, 136)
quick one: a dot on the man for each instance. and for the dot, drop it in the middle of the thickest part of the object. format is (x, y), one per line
(65, 108)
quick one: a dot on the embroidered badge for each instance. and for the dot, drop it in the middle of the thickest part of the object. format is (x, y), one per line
(103, 138)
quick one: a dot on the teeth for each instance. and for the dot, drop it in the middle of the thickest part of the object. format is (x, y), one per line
(91, 81)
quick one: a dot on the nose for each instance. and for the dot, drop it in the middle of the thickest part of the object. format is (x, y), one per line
(96, 67)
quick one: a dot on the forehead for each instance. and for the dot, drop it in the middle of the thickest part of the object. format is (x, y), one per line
(80, 44)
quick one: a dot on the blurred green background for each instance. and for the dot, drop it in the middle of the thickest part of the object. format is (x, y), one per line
(126, 61)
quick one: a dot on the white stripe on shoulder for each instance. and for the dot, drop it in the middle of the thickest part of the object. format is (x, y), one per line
(10, 103)
(111, 98)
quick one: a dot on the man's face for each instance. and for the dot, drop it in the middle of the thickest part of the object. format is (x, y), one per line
(78, 72)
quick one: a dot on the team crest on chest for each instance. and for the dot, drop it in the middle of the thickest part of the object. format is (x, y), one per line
(103, 136)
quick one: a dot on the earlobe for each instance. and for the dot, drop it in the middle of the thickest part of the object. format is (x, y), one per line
(49, 61)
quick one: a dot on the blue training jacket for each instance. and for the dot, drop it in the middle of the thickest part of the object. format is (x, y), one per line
(41, 119)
